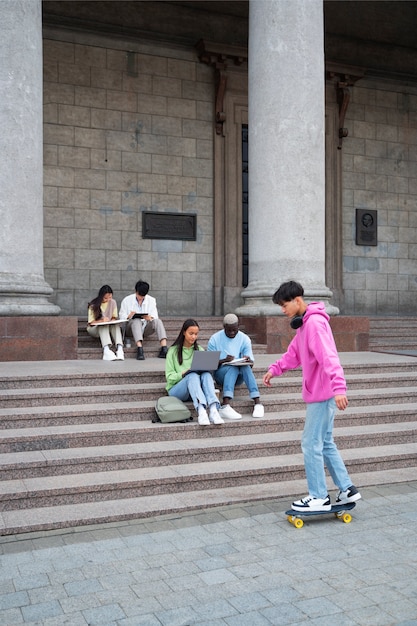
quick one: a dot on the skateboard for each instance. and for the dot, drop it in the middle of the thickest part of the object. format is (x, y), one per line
(338, 510)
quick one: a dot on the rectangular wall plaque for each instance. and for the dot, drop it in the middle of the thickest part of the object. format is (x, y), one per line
(169, 226)
(366, 227)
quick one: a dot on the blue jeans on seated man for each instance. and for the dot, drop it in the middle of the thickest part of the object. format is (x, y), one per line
(198, 386)
(228, 376)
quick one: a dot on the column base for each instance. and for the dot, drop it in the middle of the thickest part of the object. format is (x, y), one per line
(23, 295)
(258, 300)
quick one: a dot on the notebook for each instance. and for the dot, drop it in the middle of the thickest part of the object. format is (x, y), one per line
(205, 361)
(239, 361)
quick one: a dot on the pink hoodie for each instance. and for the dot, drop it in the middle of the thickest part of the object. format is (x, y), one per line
(314, 349)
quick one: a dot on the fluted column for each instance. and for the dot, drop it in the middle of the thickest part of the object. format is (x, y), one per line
(23, 290)
(286, 152)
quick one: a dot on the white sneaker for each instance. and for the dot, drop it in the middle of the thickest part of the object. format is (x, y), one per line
(258, 410)
(350, 495)
(108, 355)
(203, 418)
(215, 416)
(229, 413)
(120, 354)
(312, 504)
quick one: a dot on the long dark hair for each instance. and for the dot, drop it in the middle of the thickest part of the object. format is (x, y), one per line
(95, 304)
(179, 342)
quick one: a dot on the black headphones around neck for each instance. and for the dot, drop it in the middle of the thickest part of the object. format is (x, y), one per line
(297, 321)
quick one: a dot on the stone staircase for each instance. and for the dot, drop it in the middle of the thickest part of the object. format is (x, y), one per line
(386, 334)
(89, 348)
(78, 447)
(393, 334)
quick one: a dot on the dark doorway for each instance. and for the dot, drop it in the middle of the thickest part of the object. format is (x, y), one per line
(245, 206)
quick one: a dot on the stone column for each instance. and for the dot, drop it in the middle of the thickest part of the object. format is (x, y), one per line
(23, 290)
(286, 152)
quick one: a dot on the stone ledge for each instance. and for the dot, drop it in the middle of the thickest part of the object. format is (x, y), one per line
(38, 338)
(351, 333)
(56, 338)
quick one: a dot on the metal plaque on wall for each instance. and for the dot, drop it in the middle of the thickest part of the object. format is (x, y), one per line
(366, 227)
(169, 226)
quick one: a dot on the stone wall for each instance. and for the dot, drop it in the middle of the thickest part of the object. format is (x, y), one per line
(128, 127)
(379, 160)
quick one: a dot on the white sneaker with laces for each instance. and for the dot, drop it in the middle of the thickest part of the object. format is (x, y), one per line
(312, 504)
(215, 416)
(350, 495)
(108, 355)
(120, 354)
(258, 410)
(228, 412)
(203, 418)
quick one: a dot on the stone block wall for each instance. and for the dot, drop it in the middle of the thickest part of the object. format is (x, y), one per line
(128, 127)
(379, 160)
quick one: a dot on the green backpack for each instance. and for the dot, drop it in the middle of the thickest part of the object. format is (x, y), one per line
(171, 409)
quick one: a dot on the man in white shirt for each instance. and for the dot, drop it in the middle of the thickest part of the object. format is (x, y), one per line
(142, 314)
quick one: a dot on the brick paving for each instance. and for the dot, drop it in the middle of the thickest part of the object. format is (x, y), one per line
(238, 565)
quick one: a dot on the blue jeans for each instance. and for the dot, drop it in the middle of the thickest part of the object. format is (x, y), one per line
(320, 450)
(200, 387)
(228, 376)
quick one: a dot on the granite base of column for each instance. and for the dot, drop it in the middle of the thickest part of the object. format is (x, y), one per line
(38, 338)
(351, 333)
(258, 300)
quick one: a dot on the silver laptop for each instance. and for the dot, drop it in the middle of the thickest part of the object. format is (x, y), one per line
(205, 361)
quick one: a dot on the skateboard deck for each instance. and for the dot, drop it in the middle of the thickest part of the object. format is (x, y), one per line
(338, 510)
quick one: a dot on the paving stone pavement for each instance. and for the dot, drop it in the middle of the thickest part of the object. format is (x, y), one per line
(240, 565)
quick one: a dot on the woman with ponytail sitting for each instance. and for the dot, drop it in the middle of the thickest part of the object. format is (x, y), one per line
(184, 384)
(102, 310)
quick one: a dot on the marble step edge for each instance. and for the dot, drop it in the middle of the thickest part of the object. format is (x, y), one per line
(156, 381)
(155, 482)
(154, 368)
(277, 396)
(128, 456)
(283, 420)
(145, 379)
(126, 510)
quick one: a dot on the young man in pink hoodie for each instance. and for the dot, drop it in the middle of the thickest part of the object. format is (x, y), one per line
(324, 388)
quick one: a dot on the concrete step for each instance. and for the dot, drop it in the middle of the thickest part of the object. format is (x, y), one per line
(393, 322)
(18, 376)
(54, 461)
(93, 351)
(177, 478)
(290, 380)
(71, 432)
(392, 333)
(275, 399)
(27, 424)
(69, 515)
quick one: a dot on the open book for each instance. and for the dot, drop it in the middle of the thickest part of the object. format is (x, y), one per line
(241, 361)
(98, 323)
